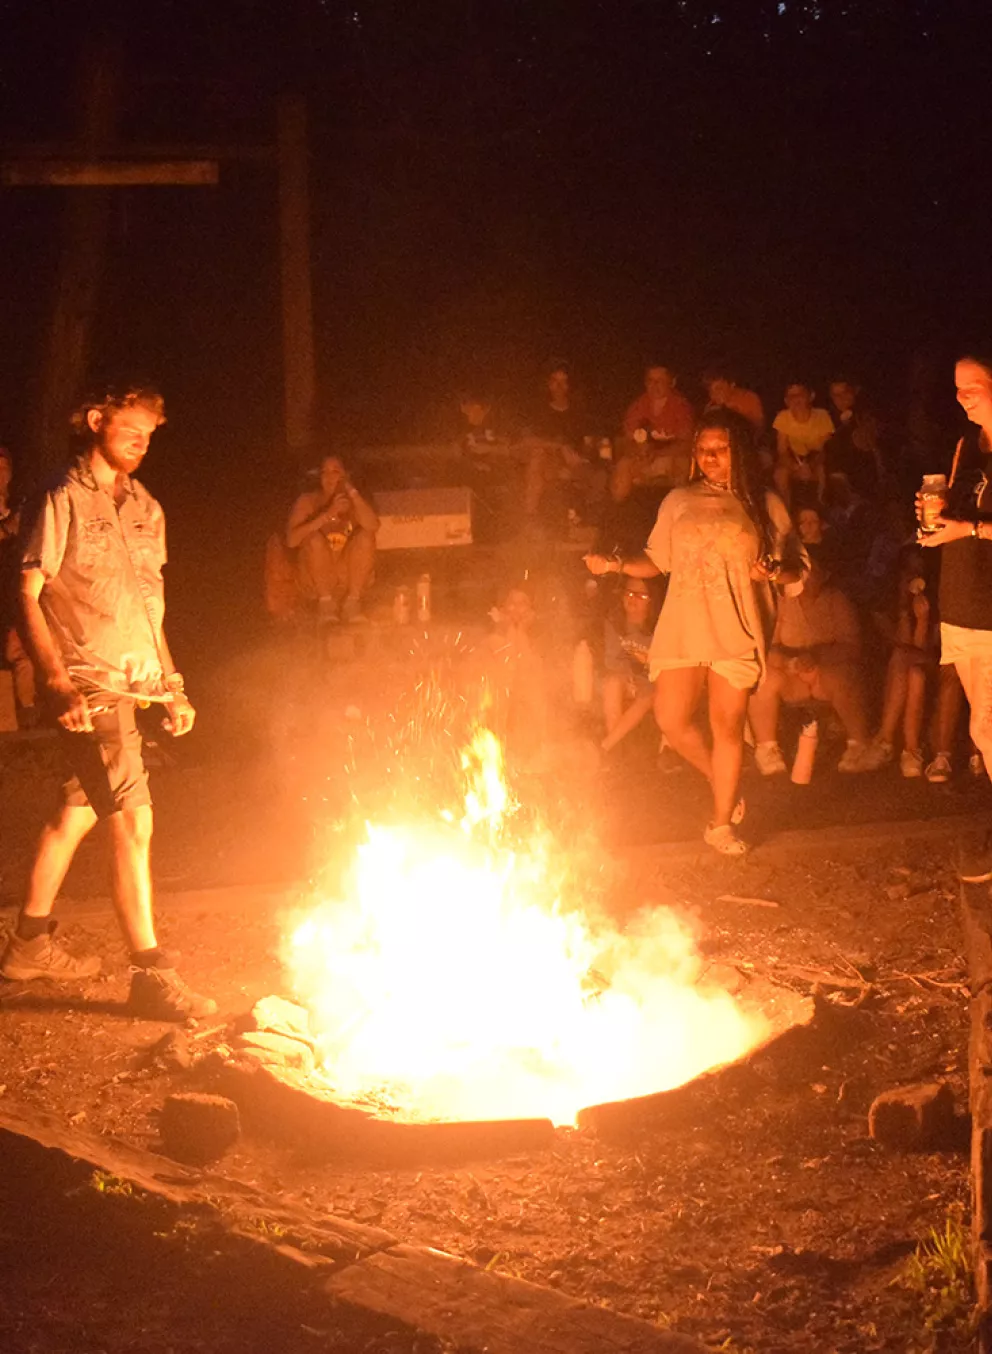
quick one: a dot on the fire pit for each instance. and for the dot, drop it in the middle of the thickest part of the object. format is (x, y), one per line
(465, 992)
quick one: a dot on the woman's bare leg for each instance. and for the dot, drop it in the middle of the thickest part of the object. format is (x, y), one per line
(728, 709)
(894, 700)
(765, 704)
(628, 721)
(978, 688)
(912, 719)
(676, 695)
(947, 709)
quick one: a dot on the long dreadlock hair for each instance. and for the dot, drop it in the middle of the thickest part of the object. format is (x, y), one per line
(746, 480)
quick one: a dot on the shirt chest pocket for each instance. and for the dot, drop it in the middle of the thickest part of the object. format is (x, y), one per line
(144, 545)
(95, 541)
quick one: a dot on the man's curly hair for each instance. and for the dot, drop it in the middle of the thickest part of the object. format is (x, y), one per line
(108, 399)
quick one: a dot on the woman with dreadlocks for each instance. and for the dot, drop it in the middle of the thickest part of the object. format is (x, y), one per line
(727, 545)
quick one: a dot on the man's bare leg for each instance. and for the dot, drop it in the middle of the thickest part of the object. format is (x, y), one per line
(131, 841)
(56, 848)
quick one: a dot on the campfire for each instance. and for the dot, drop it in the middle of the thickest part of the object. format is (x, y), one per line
(463, 969)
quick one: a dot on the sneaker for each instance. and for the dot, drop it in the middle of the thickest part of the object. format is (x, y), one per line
(938, 771)
(882, 750)
(859, 757)
(769, 760)
(976, 765)
(911, 764)
(725, 840)
(160, 994)
(45, 957)
(740, 809)
(976, 863)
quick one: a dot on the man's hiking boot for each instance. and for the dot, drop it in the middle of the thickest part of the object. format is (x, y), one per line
(45, 957)
(160, 994)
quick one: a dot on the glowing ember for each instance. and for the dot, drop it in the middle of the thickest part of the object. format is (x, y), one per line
(457, 978)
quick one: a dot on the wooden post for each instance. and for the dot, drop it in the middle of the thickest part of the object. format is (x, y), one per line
(80, 269)
(294, 253)
(976, 918)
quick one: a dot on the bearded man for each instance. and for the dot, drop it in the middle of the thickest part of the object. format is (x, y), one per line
(92, 605)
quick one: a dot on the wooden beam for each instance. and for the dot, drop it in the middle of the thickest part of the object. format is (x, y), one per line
(137, 150)
(107, 173)
(86, 224)
(297, 302)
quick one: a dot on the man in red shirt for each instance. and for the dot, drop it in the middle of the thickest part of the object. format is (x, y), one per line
(661, 411)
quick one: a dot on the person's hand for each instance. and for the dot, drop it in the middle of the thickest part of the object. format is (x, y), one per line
(571, 457)
(600, 564)
(70, 707)
(340, 504)
(764, 570)
(181, 715)
(947, 530)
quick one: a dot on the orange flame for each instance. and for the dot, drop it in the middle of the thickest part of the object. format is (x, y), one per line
(456, 977)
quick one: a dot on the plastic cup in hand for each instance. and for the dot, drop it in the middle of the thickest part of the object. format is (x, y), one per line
(932, 502)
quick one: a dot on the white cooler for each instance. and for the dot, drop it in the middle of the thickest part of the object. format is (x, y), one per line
(417, 519)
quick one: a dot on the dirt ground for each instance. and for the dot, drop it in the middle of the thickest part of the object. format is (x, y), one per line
(776, 1225)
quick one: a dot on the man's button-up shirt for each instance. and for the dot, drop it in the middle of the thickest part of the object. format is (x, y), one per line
(103, 596)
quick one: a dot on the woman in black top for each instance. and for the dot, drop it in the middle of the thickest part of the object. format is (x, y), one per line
(964, 530)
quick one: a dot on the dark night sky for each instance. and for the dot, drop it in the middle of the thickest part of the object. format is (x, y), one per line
(794, 185)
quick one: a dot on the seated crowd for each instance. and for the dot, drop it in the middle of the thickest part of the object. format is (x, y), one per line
(856, 648)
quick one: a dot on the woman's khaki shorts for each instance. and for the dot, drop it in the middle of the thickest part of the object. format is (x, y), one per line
(958, 644)
(742, 673)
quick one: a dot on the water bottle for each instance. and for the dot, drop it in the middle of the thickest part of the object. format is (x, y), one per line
(424, 598)
(802, 766)
(401, 606)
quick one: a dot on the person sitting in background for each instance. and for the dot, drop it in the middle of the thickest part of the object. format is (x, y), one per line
(663, 419)
(723, 392)
(331, 532)
(557, 444)
(655, 457)
(854, 448)
(802, 431)
(12, 650)
(815, 655)
(482, 426)
(628, 694)
(517, 679)
(489, 470)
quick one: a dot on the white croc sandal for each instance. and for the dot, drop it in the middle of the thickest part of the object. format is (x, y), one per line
(737, 817)
(725, 840)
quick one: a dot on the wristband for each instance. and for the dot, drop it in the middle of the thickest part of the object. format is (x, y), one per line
(175, 682)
